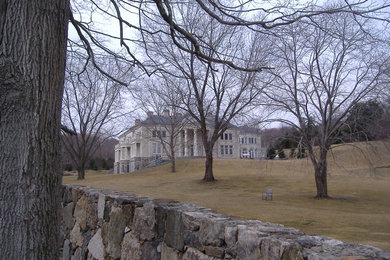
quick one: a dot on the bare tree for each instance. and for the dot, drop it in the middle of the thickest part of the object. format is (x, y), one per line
(92, 105)
(160, 97)
(212, 94)
(323, 69)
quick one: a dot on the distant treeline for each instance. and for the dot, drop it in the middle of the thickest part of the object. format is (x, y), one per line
(367, 121)
(103, 158)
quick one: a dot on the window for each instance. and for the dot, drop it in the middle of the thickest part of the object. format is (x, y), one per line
(156, 148)
(157, 133)
(226, 136)
(226, 149)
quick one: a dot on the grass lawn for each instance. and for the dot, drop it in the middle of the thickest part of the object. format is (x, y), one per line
(359, 183)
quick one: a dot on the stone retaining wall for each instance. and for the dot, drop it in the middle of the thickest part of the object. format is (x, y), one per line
(102, 224)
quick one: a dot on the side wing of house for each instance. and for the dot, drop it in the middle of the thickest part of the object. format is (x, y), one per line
(251, 144)
(130, 150)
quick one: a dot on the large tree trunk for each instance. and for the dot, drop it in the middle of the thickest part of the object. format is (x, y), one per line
(32, 63)
(320, 174)
(81, 172)
(208, 175)
(81, 161)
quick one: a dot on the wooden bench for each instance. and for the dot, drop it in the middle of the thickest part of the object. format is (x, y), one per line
(267, 195)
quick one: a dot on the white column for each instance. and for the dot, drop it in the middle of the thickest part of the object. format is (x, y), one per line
(181, 143)
(195, 143)
(185, 142)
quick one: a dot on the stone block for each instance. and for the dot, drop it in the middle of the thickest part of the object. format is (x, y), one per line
(293, 251)
(174, 236)
(214, 251)
(211, 233)
(80, 212)
(168, 253)
(191, 239)
(67, 215)
(128, 212)
(230, 236)
(192, 220)
(149, 250)
(76, 237)
(101, 205)
(104, 228)
(78, 254)
(107, 211)
(193, 254)
(96, 247)
(248, 244)
(92, 215)
(316, 256)
(353, 257)
(271, 249)
(130, 247)
(86, 238)
(77, 192)
(115, 231)
(161, 218)
(66, 250)
(144, 222)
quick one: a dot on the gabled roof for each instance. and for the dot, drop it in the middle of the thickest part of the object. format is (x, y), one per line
(152, 120)
(248, 129)
(159, 120)
(166, 120)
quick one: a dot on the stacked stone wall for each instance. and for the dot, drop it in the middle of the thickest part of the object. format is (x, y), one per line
(102, 224)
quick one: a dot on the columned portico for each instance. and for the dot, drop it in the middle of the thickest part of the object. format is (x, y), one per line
(181, 139)
(185, 142)
(195, 143)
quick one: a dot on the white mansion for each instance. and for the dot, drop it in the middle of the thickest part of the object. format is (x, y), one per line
(141, 144)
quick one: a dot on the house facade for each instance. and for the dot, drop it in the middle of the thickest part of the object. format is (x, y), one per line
(142, 145)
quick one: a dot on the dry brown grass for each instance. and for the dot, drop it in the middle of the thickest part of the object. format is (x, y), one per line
(359, 184)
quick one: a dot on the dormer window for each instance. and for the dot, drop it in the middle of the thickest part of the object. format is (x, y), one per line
(226, 136)
(157, 133)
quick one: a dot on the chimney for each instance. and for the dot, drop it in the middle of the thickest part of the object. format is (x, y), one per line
(149, 114)
(166, 112)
